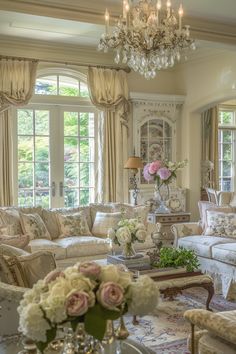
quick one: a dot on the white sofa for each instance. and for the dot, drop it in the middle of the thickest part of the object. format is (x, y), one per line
(216, 254)
(69, 250)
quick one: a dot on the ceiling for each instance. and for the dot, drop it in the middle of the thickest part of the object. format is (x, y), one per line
(81, 22)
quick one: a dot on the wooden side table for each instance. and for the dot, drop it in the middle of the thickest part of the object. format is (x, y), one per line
(166, 221)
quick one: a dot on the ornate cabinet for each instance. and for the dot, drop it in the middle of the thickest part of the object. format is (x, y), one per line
(155, 120)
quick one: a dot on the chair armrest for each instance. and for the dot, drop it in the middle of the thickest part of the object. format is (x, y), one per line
(11, 292)
(185, 229)
(222, 324)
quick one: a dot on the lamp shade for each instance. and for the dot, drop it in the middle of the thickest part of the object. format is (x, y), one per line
(133, 162)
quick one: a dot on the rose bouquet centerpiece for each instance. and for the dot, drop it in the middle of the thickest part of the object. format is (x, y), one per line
(127, 232)
(162, 173)
(85, 294)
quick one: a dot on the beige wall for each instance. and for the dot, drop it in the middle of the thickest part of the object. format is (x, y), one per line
(205, 83)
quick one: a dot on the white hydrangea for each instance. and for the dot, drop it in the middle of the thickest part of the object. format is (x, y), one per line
(141, 235)
(32, 323)
(110, 273)
(143, 296)
(54, 307)
(123, 235)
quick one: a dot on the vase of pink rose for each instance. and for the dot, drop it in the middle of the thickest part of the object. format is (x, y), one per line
(83, 299)
(162, 173)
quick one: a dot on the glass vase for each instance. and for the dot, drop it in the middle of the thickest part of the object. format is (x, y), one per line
(162, 195)
(128, 251)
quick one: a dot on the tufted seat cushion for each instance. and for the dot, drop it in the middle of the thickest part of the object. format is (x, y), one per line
(202, 245)
(41, 244)
(225, 253)
(83, 246)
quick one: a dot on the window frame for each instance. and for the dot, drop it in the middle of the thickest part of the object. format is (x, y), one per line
(57, 104)
(232, 128)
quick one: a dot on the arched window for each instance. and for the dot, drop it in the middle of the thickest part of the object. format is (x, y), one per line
(55, 150)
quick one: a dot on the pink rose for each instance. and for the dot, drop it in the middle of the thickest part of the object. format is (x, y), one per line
(90, 269)
(164, 173)
(53, 275)
(110, 295)
(77, 303)
(154, 167)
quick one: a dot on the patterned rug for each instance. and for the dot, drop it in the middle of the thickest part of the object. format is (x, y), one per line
(166, 331)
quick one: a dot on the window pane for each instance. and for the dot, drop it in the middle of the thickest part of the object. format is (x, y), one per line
(226, 184)
(227, 152)
(71, 197)
(68, 86)
(91, 124)
(25, 148)
(84, 196)
(227, 136)
(227, 169)
(71, 123)
(84, 90)
(84, 174)
(42, 122)
(25, 198)
(84, 124)
(70, 149)
(46, 85)
(168, 130)
(25, 175)
(71, 174)
(42, 175)
(226, 118)
(41, 149)
(84, 150)
(25, 121)
(42, 198)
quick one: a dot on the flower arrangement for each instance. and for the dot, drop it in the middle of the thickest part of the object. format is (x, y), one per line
(126, 233)
(85, 293)
(162, 172)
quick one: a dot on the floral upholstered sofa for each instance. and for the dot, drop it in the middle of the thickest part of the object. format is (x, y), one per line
(214, 241)
(71, 234)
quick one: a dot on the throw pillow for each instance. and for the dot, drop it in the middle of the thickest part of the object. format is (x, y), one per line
(33, 225)
(73, 225)
(103, 222)
(11, 217)
(205, 206)
(221, 224)
(19, 241)
(130, 211)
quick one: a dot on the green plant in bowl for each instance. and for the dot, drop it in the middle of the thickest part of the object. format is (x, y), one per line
(177, 257)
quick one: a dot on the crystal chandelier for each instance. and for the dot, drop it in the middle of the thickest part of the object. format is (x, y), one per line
(148, 37)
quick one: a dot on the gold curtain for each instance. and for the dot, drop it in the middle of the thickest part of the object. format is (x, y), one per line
(210, 142)
(17, 79)
(109, 93)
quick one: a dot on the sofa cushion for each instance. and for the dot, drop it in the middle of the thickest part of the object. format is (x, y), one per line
(83, 246)
(131, 211)
(103, 222)
(47, 245)
(73, 224)
(225, 253)
(201, 244)
(105, 208)
(33, 225)
(221, 224)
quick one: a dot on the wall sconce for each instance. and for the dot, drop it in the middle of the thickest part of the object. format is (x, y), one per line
(134, 163)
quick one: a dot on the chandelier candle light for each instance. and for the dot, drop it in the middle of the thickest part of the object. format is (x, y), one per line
(148, 37)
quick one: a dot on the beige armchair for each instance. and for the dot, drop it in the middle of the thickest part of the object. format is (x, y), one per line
(218, 335)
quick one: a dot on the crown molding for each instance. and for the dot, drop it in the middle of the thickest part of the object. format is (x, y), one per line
(173, 99)
(85, 11)
(18, 47)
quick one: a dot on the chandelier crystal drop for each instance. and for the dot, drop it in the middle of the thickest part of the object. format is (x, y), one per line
(148, 37)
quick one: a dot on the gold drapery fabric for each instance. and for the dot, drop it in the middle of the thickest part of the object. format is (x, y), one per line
(17, 79)
(109, 93)
(210, 141)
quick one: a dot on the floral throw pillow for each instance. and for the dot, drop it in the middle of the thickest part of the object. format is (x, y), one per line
(221, 224)
(73, 225)
(33, 225)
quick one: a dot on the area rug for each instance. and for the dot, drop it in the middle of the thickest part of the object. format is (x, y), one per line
(166, 331)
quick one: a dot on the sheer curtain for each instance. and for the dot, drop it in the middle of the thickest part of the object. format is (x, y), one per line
(210, 141)
(109, 93)
(17, 78)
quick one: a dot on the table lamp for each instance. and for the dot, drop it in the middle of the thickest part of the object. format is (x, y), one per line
(134, 163)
